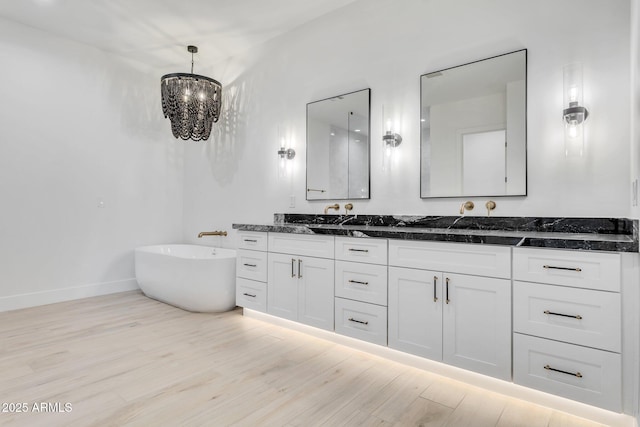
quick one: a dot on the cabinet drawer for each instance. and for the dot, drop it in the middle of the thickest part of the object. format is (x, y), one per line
(591, 270)
(362, 282)
(578, 316)
(373, 251)
(301, 244)
(252, 240)
(579, 373)
(367, 322)
(251, 294)
(251, 265)
(493, 261)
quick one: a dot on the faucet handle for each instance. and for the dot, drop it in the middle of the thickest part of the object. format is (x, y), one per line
(490, 205)
(468, 205)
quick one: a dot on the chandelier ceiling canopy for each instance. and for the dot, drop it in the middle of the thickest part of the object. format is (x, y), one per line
(192, 103)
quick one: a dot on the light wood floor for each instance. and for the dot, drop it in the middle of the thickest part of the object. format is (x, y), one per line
(126, 360)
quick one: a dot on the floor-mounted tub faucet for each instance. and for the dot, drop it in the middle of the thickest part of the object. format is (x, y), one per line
(336, 207)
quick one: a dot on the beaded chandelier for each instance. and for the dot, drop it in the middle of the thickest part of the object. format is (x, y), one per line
(191, 102)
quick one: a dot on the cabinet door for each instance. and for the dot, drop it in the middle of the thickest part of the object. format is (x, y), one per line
(282, 286)
(315, 291)
(477, 324)
(415, 312)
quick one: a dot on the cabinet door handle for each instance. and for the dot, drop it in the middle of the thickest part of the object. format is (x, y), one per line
(363, 322)
(549, 368)
(358, 282)
(299, 269)
(251, 240)
(293, 262)
(249, 295)
(573, 316)
(435, 283)
(358, 250)
(447, 295)
(551, 267)
(249, 265)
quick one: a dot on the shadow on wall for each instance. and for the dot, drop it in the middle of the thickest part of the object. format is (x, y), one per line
(227, 143)
(136, 97)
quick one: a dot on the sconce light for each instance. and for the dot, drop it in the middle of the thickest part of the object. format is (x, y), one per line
(390, 140)
(574, 112)
(284, 154)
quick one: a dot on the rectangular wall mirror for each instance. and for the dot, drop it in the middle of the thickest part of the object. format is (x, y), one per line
(473, 135)
(338, 131)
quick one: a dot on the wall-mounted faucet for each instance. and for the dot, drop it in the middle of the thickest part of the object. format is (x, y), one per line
(211, 233)
(336, 207)
(347, 208)
(490, 205)
(468, 205)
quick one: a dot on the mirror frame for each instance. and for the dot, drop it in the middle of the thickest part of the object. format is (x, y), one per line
(526, 97)
(306, 186)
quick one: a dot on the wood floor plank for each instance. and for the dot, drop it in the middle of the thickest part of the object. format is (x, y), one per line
(127, 360)
(424, 413)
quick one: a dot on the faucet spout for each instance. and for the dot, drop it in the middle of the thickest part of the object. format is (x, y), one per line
(211, 233)
(335, 207)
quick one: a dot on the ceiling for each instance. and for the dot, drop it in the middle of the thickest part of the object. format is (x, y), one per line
(156, 32)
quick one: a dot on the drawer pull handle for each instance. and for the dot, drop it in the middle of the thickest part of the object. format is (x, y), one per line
(249, 295)
(358, 250)
(293, 261)
(576, 316)
(358, 282)
(447, 295)
(299, 269)
(249, 265)
(551, 267)
(364, 322)
(549, 368)
(251, 240)
(435, 283)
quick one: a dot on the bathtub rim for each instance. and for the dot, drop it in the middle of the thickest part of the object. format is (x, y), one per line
(221, 253)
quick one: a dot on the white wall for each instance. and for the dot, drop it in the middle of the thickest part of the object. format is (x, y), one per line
(386, 45)
(79, 127)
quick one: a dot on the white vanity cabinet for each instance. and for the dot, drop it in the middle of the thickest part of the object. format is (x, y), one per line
(461, 319)
(299, 286)
(361, 288)
(251, 271)
(567, 324)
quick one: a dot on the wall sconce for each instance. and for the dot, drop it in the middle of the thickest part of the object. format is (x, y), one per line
(390, 140)
(284, 154)
(574, 112)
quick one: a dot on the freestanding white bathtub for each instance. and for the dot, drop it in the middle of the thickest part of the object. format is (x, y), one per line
(192, 277)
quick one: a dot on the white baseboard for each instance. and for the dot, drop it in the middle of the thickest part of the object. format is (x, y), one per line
(15, 302)
(507, 388)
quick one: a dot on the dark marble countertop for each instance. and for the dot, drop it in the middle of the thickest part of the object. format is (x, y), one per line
(591, 234)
